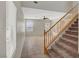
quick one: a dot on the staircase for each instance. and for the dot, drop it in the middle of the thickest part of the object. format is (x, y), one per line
(67, 44)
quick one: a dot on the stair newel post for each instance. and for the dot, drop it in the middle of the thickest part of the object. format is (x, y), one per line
(45, 48)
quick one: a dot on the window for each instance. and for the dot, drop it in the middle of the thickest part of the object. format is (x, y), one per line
(29, 25)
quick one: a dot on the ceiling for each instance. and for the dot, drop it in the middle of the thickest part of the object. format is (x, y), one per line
(60, 6)
(32, 13)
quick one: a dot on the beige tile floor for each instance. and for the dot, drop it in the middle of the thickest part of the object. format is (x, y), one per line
(33, 47)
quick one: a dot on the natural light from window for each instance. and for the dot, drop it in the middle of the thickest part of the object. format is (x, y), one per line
(29, 25)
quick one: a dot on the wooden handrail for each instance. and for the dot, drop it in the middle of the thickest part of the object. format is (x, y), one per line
(61, 19)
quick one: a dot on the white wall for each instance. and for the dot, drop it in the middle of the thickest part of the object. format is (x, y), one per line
(20, 30)
(15, 24)
(2, 29)
(10, 28)
(37, 29)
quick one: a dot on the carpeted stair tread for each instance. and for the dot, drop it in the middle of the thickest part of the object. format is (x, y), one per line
(68, 43)
(71, 41)
(53, 54)
(68, 49)
(61, 51)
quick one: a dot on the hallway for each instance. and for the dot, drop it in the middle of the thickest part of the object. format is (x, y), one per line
(33, 47)
(34, 40)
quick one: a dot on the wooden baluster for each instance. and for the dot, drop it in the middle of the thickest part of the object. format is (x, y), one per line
(48, 39)
(60, 26)
(57, 28)
(52, 34)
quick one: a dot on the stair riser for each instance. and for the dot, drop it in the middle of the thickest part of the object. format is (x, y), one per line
(74, 25)
(70, 51)
(69, 44)
(70, 38)
(73, 29)
(75, 22)
(53, 54)
(72, 33)
(56, 52)
(71, 41)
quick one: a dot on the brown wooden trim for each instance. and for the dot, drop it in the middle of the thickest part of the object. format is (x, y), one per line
(45, 51)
